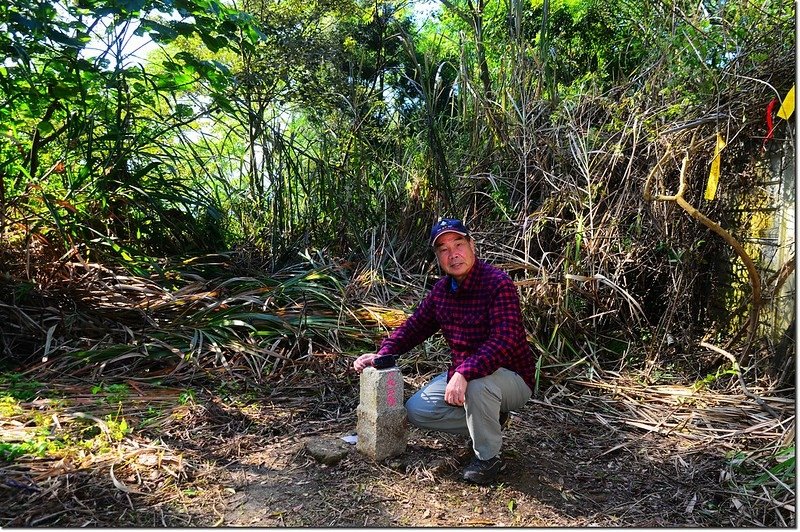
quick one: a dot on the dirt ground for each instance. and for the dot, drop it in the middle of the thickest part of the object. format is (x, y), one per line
(553, 477)
(223, 462)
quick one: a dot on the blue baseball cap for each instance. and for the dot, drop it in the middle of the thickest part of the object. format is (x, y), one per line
(448, 225)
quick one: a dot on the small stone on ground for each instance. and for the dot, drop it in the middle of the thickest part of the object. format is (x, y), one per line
(327, 451)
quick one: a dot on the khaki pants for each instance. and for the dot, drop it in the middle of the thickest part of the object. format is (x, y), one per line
(486, 397)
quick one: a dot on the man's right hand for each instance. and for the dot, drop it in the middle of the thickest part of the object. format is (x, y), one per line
(364, 361)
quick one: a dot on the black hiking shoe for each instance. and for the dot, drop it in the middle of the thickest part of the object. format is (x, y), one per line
(483, 471)
(505, 419)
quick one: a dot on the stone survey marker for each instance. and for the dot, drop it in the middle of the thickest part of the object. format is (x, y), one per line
(382, 426)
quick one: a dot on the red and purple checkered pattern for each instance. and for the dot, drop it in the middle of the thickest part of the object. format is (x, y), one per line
(481, 322)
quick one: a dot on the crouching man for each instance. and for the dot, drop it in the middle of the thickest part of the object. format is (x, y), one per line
(491, 372)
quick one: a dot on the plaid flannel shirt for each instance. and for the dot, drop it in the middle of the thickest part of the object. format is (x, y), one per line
(480, 320)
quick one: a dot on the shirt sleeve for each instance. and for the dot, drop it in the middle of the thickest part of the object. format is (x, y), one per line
(505, 328)
(421, 325)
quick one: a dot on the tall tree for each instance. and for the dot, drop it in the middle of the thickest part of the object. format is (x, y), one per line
(76, 109)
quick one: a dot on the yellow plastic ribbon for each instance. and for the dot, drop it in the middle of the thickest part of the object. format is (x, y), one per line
(713, 176)
(787, 107)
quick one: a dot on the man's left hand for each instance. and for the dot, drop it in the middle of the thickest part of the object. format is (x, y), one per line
(456, 390)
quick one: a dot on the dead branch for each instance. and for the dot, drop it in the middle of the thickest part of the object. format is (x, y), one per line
(755, 279)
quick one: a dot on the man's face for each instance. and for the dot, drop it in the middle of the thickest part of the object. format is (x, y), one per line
(456, 255)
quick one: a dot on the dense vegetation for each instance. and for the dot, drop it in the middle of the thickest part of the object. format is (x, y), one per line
(252, 191)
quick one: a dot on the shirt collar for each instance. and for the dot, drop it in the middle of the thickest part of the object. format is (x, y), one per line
(468, 280)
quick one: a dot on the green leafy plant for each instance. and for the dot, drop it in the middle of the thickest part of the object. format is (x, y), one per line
(783, 472)
(19, 387)
(117, 427)
(187, 397)
(114, 393)
(11, 451)
(9, 406)
(712, 378)
(512, 505)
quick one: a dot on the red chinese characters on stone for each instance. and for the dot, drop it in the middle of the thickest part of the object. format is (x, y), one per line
(391, 400)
